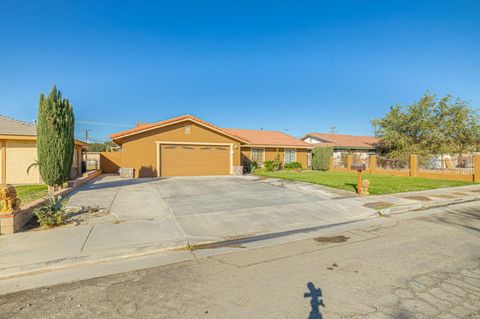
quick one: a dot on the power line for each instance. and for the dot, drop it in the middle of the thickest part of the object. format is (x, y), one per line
(103, 124)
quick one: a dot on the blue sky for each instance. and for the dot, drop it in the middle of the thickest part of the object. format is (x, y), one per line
(296, 66)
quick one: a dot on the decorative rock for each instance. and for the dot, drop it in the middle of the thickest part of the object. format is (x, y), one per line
(126, 172)
(237, 170)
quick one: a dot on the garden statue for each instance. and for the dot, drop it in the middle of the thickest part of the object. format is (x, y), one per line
(365, 185)
(8, 199)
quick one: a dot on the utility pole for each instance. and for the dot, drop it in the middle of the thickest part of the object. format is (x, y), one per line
(86, 134)
(333, 130)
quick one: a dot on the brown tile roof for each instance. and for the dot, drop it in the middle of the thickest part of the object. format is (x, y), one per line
(254, 137)
(143, 126)
(342, 140)
(9, 126)
(262, 137)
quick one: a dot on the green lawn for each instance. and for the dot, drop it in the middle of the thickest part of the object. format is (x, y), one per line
(28, 193)
(379, 184)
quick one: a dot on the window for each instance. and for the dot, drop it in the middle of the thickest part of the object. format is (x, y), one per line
(258, 155)
(290, 156)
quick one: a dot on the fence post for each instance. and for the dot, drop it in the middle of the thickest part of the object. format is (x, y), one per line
(349, 161)
(476, 168)
(373, 164)
(413, 165)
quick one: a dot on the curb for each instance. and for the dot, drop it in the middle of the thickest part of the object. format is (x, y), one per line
(22, 271)
(426, 205)
(181, 245)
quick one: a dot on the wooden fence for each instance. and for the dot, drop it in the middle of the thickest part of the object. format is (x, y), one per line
(378, 165)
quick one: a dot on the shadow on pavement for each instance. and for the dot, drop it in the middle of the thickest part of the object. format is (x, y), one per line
(98, 184)
(316, 300)
(466, 218)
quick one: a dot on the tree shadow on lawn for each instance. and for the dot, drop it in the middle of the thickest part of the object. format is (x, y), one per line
(354, 186)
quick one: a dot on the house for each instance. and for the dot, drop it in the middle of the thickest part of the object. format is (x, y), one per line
(360, 146)
(18, 149)
(188, 146)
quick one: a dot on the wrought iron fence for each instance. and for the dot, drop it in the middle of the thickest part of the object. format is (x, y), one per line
(458, 164)
(392, 163)
(339, 161)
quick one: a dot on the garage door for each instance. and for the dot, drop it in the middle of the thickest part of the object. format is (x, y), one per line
(194, 160)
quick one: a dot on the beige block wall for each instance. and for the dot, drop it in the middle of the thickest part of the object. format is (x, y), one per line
(20, 155)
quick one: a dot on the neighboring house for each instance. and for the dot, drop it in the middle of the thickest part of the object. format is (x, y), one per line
(189, 146)
(360, 146)
(18, 149)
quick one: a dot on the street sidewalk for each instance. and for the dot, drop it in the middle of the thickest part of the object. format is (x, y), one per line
(37, 251)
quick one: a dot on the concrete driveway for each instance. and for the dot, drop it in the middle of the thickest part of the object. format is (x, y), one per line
(205, 209)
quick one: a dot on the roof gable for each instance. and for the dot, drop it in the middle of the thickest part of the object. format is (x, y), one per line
(147, 127)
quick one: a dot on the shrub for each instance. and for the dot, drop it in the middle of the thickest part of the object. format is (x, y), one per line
(52, 213)
(293, 165)
(271, 166)
(321, 157)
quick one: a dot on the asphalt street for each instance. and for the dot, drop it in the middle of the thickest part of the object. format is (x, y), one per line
(424, 267)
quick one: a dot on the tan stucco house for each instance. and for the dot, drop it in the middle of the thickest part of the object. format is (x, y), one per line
(189, 146)
(18, 150)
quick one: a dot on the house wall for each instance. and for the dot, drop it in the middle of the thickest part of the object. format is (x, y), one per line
(271, 153)
(140, 150)
(20, 155)
(76, 170)
(2, 170)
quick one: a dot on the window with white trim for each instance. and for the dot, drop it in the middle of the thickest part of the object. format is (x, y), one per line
(290, 155)
(258, 154)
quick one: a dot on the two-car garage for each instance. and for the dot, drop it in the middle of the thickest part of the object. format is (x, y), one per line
(194, 160)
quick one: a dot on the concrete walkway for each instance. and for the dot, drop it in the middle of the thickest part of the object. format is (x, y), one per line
(117, 218)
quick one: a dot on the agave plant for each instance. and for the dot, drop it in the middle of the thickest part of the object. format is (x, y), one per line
(52, 213)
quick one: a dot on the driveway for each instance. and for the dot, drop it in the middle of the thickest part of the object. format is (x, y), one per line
(205, 209)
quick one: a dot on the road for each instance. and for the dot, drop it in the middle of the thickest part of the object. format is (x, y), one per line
(424, 267)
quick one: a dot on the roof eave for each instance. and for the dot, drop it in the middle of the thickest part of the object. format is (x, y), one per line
(117, 137)
(278, 146)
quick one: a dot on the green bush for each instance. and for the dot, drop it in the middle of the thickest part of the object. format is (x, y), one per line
(52, 213)
(293, 165)
(271, 166)
(321, 157)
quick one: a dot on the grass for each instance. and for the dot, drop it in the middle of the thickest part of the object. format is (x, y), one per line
(379, 184)
(28, 193)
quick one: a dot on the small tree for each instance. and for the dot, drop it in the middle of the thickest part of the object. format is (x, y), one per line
(429, 126)
(55, 139)
(321, 157)
(101, 147)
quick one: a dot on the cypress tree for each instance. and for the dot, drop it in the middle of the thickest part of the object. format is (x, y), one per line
(55, 138)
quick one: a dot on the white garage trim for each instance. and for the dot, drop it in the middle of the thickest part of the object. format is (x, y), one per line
(160, 143)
